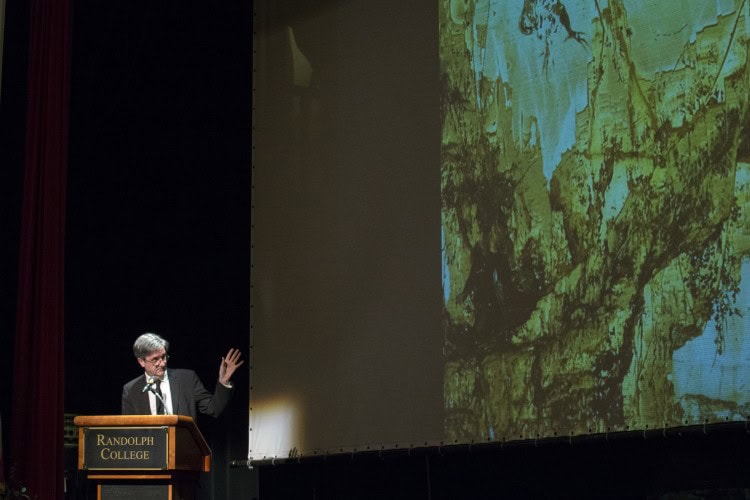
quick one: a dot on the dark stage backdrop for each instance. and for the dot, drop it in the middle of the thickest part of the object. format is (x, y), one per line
(491, 221)
(159, 202)
(2, 37)
(158, 199)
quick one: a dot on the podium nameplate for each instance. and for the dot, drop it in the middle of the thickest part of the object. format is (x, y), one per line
(125, 448)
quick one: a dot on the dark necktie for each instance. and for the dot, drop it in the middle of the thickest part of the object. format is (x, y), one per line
(159, 396)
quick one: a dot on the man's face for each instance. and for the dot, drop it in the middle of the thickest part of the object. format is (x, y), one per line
(155, 363)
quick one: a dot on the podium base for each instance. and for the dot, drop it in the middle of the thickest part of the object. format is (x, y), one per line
(130, 491)
(124, 488)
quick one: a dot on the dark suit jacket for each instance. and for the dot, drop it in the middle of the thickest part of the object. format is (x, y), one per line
(188, 395)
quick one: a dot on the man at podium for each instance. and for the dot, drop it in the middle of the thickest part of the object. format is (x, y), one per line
(162, 391)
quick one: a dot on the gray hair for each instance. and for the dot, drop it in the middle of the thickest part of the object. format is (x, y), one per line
(148, 343)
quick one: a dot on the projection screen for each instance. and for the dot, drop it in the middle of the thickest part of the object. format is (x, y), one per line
(483, 221)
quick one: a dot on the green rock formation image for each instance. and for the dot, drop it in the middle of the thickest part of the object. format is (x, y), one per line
(595, 205)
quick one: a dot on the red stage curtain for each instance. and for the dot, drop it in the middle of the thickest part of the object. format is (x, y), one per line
(36, 446)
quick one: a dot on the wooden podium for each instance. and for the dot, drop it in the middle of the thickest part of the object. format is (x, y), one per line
(144, 457)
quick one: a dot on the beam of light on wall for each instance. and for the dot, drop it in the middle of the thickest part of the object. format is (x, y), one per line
(274, 428)
(302, 70)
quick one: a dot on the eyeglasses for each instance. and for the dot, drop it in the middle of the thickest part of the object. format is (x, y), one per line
(155, 361)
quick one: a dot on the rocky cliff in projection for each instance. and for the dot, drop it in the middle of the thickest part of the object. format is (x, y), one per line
(596, 242)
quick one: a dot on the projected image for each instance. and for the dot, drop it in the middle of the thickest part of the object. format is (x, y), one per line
(595, 215)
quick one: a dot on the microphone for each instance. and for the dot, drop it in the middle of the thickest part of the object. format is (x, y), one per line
(148, 385)
(151, 387)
